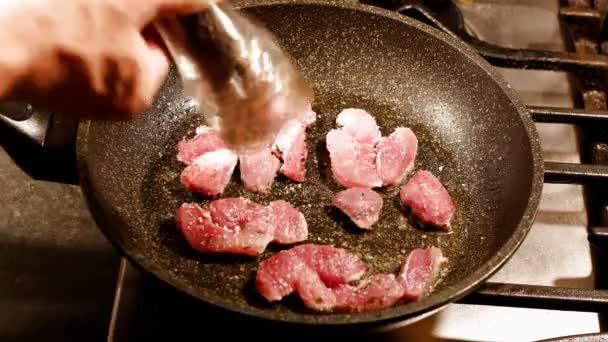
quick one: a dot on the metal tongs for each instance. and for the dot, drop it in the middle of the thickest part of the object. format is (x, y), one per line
(245, 85)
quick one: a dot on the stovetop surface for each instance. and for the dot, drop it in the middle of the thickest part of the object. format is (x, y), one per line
(58, 273)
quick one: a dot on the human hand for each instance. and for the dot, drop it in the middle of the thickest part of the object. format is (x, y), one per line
(91, 58)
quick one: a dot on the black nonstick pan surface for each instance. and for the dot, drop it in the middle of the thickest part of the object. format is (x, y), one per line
(474, 135)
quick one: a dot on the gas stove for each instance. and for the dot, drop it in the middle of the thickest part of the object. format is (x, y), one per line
(552, 53)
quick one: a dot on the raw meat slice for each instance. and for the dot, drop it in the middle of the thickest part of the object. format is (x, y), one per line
(204, 235)
(205, 140)
(429, 200)
(195, 224)
(290, 146)
(284, 273)
(352, 164)
(294, 162)
(335, 266)
(234, 211)
(395, 156)
(313, 292)
(420, 270)
(360, 125)
(418, 274)
(210, 173)
(258, 169)
(291, 224)
(293, 270)
(287, 222)
(275, 276)
(309, 270)
(362, 205)
(376, 292)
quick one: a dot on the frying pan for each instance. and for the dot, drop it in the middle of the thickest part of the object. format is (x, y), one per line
(474, 135)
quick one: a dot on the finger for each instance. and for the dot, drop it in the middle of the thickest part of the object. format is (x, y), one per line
(152, 37)
(153, 68)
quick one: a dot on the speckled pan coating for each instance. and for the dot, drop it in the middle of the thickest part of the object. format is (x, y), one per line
(473, 133)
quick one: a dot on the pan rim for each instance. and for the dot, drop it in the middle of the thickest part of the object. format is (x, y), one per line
(392, 315)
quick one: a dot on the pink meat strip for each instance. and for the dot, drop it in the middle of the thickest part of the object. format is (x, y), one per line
(395, 156)
(205, 140)
(362, 205)
(305, 270)
(285, 273)
(420, 269)
(352, 164)
(361, 157)
(418, 274)
(258, 169)
(291, 271)
(206, 236)
(240, 226)
(211, 163)
(429, 200)
(335, 266)
(291, 224)
(376, 292)
(210, 173)
(290, 146)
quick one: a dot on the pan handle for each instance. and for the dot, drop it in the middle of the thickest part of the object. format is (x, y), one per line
(41, 143)
(23, 119)
(16, 111)
(42, 128)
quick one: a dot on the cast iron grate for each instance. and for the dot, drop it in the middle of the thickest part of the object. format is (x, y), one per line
(583, 21)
